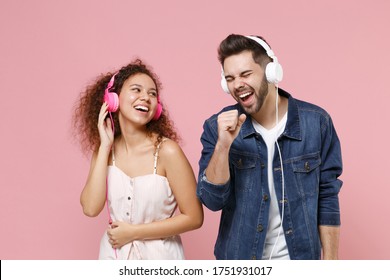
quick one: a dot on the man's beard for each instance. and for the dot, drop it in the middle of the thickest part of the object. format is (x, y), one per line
(262, 94)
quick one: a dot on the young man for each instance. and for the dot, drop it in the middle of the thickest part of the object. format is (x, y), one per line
(270, 162)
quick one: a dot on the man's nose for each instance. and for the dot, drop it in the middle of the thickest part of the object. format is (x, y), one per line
(238, 83)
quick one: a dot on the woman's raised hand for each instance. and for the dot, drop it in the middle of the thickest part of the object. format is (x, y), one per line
(106, 132)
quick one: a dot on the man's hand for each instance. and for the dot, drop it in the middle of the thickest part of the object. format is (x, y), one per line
(229, 125)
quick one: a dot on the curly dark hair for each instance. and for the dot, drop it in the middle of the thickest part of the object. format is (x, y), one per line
(88, 106)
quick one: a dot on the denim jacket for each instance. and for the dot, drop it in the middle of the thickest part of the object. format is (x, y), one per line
(312, 163)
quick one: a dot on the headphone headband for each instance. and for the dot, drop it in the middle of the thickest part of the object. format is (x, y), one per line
(111, 82)
(265, 46)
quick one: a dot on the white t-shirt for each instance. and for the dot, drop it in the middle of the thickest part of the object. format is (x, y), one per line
(280, 252)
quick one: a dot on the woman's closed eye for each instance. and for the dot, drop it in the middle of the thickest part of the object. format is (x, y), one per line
(153, 93)
(136, 89)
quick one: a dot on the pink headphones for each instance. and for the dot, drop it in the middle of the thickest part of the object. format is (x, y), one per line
(112, 99)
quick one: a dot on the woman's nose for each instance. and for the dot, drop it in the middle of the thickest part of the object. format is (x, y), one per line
(145, 95)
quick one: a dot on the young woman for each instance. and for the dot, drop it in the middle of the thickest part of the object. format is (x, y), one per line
(137, 167)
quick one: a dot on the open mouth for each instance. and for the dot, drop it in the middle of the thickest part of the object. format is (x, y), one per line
(245, 96)
(141, 108)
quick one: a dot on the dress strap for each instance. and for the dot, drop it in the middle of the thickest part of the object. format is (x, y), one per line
(156, 156)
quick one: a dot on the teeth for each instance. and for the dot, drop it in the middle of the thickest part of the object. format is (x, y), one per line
(245, 94)
(142, 108)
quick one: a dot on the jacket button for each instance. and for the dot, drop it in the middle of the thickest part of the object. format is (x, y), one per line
(265, 197)
(307, 166)
(128, 198)
(253, 257)
(262, 165)
(239, 163)
(289, 231)
(260, 228)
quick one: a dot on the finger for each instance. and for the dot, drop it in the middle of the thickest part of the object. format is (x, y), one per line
(104, 108)
(101, 120)
(114, 224)
(232, 114)
(103, 111)
(228, 120)
(231, 123)
(236, 123)
(108, 123)
(241, 119)
(231, 128)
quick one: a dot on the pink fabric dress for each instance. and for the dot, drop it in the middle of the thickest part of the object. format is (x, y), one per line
(140, 200)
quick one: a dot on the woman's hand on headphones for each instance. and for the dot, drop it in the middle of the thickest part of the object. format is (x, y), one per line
(105, 128)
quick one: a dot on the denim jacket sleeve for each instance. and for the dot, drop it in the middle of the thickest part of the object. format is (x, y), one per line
(211, 195)
(331, 169)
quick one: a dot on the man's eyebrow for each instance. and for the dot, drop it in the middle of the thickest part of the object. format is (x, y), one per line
(241, 74)
(245, 72)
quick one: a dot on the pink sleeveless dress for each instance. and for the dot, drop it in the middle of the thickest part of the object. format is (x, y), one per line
(140, 200)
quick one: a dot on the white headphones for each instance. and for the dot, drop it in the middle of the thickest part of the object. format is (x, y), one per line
(273, 70)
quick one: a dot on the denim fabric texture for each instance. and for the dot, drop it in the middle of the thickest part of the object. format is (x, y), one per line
(312, 163)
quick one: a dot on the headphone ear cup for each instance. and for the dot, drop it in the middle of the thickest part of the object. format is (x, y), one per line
(158, 112)
(274, 72)
(224, 83)
(112, 99)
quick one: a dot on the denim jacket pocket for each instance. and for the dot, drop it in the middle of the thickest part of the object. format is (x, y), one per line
(243, 165)
(307, 175)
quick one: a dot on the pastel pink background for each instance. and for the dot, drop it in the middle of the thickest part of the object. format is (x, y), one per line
(334, 53)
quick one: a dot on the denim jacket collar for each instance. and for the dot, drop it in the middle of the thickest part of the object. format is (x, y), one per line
(293, 127)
